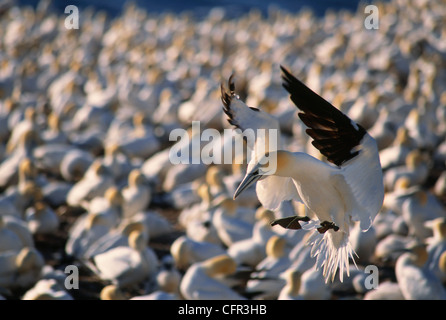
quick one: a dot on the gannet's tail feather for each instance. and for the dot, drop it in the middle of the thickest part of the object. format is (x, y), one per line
(332, 251)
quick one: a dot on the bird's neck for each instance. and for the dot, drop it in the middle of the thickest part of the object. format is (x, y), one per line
(297, 164)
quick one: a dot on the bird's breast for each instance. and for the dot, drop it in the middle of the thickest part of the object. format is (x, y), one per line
(320, 197)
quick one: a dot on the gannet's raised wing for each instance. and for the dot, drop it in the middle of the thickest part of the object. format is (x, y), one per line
(272, 190)
(345, 144)
(335, 135)
(244, 117)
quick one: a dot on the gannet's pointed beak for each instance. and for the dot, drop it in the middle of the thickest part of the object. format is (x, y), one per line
(250, 178)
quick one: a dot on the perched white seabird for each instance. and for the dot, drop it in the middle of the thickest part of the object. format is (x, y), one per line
(86, 230)
(312, 286)
(26, 125)
(137, 194)
(251, 251)
(116, 237)
(75, 164)
(14, 232)
(10, 165)
(187, 251)
(20, 268)
(436, 246)
(229, 227)
(415, 280)
(350, 190)
(96, 180)
(128, 265)
(41, 218)
(290, 290)
(201, 281)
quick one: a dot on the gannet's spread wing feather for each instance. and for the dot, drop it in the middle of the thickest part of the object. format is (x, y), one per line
(250, 120)
(240, 115)
(244, 117)
(364, 176)
(335, 135)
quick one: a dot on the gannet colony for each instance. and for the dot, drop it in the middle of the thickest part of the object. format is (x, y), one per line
(112, 135)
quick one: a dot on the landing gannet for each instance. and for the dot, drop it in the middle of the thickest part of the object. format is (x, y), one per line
(352, 190)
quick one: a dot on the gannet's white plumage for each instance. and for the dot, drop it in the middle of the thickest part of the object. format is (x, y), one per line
(349, 189)
(205, 280)
(415, 280)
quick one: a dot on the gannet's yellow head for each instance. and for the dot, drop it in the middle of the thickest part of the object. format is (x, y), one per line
(129, 227)
(27, 259)
(44, 296)
(180, 253)
(137, 240)
(272, 163)
(136, 178)
(438, 226)
(112, 292)
(264, 214)
(214, 176)
(112, 149)
(226, 203)
(168, 280)
(419, 254)
(113, 196)
(98, 168)
(27, 169)
(293, 279)
(220, 265)
(275, 247)
(54, 121)
(204, 193)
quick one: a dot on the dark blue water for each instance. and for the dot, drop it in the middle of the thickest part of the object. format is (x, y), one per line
(200, 8)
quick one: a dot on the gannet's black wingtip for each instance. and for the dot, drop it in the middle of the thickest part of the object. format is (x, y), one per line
(334, 134)
(286, 74)
(283, 68)
(289, 80)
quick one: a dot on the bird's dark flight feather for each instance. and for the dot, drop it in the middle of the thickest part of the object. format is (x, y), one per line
(334, 134)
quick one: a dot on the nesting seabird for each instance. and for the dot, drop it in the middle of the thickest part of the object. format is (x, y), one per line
(348, 188)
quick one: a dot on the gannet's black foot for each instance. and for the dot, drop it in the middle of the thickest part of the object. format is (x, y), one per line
(290, 222)
(325, 225)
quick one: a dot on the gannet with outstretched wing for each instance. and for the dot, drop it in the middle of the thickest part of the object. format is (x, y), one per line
(349, 188)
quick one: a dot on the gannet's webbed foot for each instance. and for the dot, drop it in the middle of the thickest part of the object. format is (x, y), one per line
(326, 225)
(290, 222)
